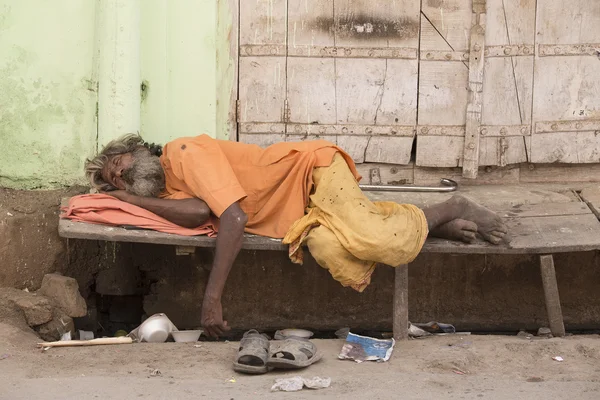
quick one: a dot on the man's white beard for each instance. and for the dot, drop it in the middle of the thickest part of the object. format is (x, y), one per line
(146, 177)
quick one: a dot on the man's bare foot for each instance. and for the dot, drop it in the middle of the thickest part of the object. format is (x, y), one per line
(458, 229)
(489, 225)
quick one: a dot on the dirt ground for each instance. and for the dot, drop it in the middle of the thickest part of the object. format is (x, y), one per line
(457, 367)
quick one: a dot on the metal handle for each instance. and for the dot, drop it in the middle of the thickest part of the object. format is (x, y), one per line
(447, 185)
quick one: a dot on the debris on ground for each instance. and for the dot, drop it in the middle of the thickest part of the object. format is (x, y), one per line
(81, 343)
(155, 329)
(57, 327)
(436, 327)
(416, 332)
(4, 356)
(524, 335)
(363, 348)
(86, 335)
(342, 333)
(544, 332)
(155, 372)
(558, 358)
(298, 383)
(287, 333)
(535, 379)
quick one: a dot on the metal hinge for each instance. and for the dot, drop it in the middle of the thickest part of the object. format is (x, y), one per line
(238, 111)
(286, 111)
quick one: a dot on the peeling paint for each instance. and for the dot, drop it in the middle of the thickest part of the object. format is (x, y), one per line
(47, 123)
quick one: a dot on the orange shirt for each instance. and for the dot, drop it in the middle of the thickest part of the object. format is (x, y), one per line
(273, 185)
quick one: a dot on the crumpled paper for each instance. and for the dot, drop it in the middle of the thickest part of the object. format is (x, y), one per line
(298, 383)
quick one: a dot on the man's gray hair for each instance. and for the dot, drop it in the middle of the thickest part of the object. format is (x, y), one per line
(93, 167)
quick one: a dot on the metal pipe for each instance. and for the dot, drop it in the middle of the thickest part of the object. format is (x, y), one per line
(447, 185)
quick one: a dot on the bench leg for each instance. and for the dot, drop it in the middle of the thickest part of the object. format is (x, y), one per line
(555, 317)
(401, 303)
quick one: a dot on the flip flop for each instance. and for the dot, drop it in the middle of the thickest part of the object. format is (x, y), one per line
(292, 353)
(252, 354)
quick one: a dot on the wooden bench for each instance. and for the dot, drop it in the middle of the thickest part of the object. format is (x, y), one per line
(541, 229)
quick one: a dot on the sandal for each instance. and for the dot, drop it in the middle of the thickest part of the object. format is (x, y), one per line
(293, 353)
(252, 354)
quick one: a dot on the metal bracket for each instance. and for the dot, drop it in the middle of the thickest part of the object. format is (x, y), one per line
(185, 250)
(286, 111)
(375, 176)
(475, 87)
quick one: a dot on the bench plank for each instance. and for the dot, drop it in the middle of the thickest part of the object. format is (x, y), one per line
(535, 229)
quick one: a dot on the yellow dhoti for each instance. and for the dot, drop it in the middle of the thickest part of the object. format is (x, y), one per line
(348, 234)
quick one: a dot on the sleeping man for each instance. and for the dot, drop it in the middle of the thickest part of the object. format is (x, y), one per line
(304, 193)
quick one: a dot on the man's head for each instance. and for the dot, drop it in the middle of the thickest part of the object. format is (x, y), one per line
(127, 164)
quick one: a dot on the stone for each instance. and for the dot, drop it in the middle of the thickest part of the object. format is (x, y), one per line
(524, 334)
(64, 291)
(36, 308)
(544, 332)
(53, 330)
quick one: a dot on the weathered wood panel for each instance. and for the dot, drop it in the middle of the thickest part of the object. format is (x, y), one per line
(567, 81)
(445, 25)
(442, 102)
(566, 88)
(263, 22)
(568, 22)
(507, 86)
(559, 173)
(347, 76)
(386, 174)
(262, 89)
(262, 71)
(311, 90)
(368, 23)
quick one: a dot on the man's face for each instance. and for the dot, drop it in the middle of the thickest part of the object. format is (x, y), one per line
(139, 173)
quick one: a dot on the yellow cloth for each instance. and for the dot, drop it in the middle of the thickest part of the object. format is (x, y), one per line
(348, 234)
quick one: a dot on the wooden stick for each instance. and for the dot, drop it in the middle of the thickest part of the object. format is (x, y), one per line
(93, 342)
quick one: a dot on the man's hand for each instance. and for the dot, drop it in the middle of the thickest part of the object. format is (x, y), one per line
(122, 195)
(212, 318)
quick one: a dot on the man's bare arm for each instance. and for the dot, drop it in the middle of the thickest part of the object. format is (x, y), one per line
(189, 213)
(229, 243)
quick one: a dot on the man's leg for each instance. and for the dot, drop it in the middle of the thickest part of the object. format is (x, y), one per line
(456, 219)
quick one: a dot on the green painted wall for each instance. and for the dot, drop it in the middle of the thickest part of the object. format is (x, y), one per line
(178, 61)
(48, 74)
(47, 102)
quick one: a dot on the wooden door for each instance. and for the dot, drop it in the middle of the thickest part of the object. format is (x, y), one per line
(449, 63)
(566, 106)
(474, 82)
